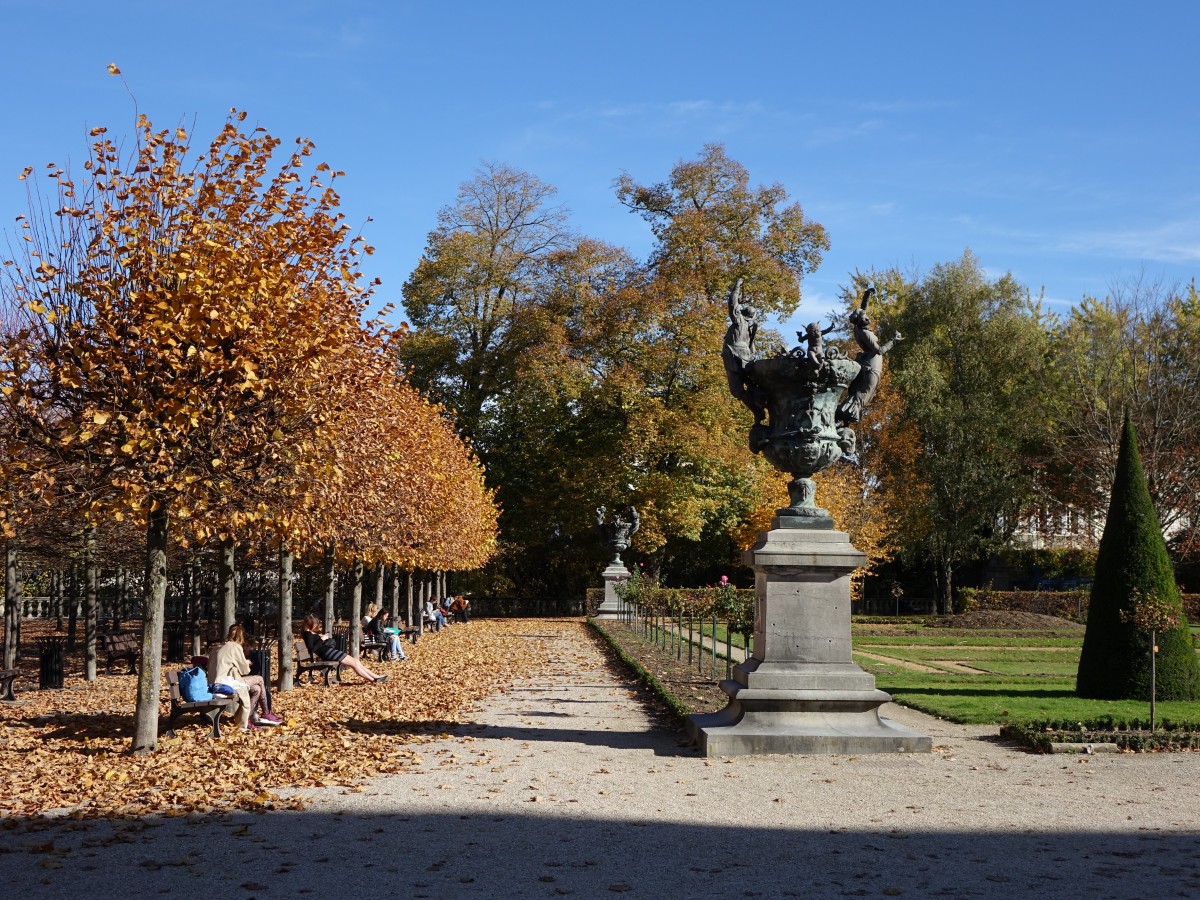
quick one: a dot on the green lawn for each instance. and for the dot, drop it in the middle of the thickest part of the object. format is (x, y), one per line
(1017, 678)
(1017, 661)
(1000, 700)
(707, 630)
(985, 677)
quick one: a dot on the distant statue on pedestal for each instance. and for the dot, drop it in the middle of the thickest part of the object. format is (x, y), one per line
(619, 531)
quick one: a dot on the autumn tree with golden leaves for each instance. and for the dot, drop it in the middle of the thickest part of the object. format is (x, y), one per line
(171, 323)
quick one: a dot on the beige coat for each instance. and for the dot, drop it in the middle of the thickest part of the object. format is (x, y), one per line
(228, 665)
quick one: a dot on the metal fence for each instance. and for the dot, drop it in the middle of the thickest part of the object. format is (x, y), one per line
(712, 644)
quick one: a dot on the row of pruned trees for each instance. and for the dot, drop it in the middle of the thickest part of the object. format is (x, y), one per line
(185, 358)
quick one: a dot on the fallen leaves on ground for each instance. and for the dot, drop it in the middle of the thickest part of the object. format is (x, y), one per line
(67, 750)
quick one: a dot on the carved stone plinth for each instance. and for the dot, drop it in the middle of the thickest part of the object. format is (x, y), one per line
(800, 691)
(613, 575)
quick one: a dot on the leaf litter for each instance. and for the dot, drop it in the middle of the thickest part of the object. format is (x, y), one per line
(66, 751)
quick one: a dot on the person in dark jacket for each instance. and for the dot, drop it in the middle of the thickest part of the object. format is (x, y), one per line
(378, 629)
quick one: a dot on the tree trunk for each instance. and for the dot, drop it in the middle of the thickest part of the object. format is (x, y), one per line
(227, 572)
(122, 598)
(654, 563)
(330, 587)
(408, 592)
(422, 596)
(380, 574)
(89, 604)
(285, 618)
(209, 595)
(198, 608)
(356, 609)
(12, 604)
(395, 595)
(72, 605)
(145, 717)
(945, 597)
(189, 595)
(56, 597)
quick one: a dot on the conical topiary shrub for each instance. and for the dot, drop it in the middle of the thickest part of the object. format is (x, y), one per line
(1133, 563)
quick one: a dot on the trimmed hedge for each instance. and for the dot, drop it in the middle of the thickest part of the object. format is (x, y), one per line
(680, 709)
(1131, 734)
(892, 620)
(1063, 604)
(1114, 663)
(1071, 604)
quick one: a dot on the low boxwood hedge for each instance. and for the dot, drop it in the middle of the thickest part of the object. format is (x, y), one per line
(1128, 734)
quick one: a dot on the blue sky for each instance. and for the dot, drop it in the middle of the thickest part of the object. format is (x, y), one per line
(1057, 140)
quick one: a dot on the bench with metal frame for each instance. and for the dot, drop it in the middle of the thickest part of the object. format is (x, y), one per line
(209, 710)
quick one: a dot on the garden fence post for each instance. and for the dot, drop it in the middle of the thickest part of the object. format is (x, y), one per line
(690, 637)
(714, 647)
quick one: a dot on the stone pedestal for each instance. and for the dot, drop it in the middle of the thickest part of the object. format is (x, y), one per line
(800, 691)
(613, 575)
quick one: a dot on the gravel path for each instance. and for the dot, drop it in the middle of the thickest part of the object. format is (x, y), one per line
(569, 785)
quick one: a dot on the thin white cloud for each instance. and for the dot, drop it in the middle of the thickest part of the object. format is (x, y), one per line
(1170, 242)
(690, 107)
(907, 106)
(616, 111)
(838, 134)
(674, 109)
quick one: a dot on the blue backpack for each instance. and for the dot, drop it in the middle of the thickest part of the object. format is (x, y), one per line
(193, 685)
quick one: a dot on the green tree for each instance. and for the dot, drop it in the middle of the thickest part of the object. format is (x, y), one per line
(1133, 563)
(474, 296)
(684, 448)
(712, 227)
(971, 373)
(585, 378)
(1132, 351)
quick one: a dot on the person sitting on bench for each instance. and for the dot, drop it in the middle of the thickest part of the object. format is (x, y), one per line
(230, 666)
(322, 647)
(381, 630)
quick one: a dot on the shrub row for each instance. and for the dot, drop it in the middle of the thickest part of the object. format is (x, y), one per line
(1128, 734)
(734, 605)
(1064, 604)
(891, 620)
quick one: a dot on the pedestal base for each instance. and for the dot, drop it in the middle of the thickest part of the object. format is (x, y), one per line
(813, 721)
(801, 691)
(611, 607)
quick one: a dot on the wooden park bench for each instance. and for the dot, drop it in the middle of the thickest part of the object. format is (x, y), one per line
(121, 645)
(209, 710)
(306, 662)
(7, 677)
(367, 644)
(370, 645)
